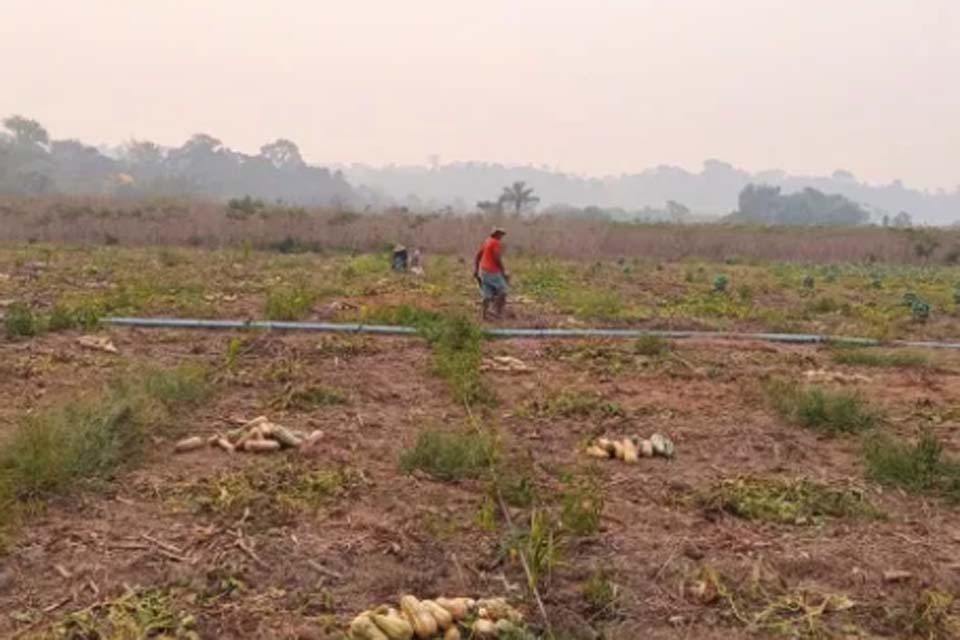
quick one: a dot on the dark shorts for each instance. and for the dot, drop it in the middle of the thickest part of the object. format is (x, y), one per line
(493, 285)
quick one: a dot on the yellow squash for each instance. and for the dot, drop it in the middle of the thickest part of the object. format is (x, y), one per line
(424, 624)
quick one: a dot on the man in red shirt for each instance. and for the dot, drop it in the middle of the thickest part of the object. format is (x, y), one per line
(491, 275)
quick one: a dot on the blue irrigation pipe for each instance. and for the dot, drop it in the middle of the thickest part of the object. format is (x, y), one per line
(506, 333)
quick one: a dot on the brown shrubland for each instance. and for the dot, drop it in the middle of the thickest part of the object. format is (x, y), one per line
(210, 224)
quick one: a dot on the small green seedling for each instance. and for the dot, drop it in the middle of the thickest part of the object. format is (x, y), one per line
(720, 283)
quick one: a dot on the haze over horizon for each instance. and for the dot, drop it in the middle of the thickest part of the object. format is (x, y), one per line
(592, 88)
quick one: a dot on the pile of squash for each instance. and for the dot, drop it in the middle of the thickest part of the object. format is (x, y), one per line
(630, 450)
(259, 435)
(444, 618)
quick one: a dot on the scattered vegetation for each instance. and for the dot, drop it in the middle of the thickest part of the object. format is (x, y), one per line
(824, 305)
(51, 450)
(582, 506)
(146, 613)
(346, 346)
(306, 398)
(766, 603)
(574, 404)
(450, 455)
(271, 494)
(20, 322)
(919, 468)
(457, 354)
(928, 615)
(783, 501)
(601, 595)
(290, 302)
(516, 484)
(832, 412)
(651, 346)
(539, 542)
(858, 357)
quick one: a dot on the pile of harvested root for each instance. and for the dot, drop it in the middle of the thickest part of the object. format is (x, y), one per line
(631, 449)
(256, 436)
(444, 618)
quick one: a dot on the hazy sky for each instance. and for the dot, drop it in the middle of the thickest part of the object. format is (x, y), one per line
(599, 86)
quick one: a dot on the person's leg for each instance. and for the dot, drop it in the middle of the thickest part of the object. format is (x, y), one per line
(499, 303)
(500, 299)
(488, 291)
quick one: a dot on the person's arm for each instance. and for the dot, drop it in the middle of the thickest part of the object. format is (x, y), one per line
(476, 264)
(503, 269)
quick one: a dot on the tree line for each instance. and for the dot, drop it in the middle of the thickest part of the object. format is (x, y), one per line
(34, 164)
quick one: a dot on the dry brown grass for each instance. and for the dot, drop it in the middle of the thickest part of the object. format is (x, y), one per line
(206, 223)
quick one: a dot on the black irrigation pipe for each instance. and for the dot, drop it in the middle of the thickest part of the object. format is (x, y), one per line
(375, 329)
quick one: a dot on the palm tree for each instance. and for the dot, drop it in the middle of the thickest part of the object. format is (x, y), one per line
(519, 196)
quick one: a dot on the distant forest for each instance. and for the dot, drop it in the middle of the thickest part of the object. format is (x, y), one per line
(32, 163)
(711, 193)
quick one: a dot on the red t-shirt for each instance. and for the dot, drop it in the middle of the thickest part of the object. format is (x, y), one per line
(490, 257)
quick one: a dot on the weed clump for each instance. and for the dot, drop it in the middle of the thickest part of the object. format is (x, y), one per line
(539, 543)
(918, 468)
(402, 315)
(824, 305)
(271, 495)
(766, 603)
(575, 404)
(20, 321)
(591, 304)
(651, 346)
(307, 398)
(601, 595)
(50, 451)
(867, 358)
(147, 613)
(928, 615)
(832, 412)
(517, 486)
(289, 303)
(796, 502)
(450, 455)
(581, 507)
(457, 354)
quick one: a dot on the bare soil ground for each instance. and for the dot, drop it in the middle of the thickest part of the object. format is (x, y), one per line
(262, 571)
(290, 545)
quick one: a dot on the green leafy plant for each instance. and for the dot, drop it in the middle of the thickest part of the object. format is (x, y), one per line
(720, 283)
(920, 310)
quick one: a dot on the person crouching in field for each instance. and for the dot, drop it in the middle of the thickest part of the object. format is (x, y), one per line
(490, 274)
